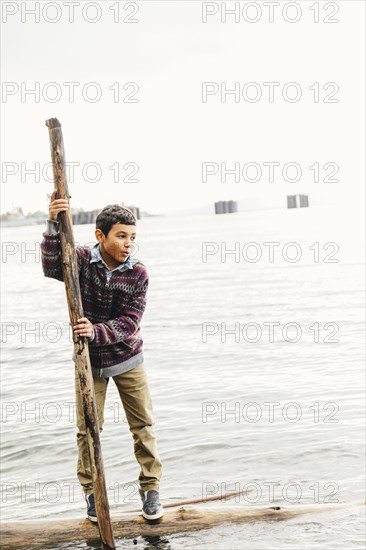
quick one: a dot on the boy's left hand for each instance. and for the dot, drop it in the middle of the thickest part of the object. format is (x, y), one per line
(84, 327)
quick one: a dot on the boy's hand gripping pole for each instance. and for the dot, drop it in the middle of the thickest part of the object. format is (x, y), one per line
(71, 279)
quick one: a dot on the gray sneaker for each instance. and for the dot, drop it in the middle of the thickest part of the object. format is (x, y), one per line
(151, 507)
(91, 513)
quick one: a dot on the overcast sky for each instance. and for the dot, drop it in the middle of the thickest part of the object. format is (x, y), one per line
(161, 138)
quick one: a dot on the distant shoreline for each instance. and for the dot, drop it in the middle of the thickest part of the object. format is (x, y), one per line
(39, 221)
(22, 222)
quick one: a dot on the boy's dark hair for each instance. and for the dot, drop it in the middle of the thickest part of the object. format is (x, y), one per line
(114, 213)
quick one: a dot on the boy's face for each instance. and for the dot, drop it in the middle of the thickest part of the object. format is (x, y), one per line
(117, 245)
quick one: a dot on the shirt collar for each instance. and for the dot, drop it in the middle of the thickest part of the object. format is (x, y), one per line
(97, 257)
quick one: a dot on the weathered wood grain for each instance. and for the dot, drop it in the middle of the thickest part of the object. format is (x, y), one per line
(71, 279)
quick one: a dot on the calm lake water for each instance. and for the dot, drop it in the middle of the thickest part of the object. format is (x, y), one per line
(255, 369)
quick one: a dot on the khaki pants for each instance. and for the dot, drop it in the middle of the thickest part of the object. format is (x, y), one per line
(135, 396)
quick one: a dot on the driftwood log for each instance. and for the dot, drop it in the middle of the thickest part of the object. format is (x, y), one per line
(35, 534)
(71, 279)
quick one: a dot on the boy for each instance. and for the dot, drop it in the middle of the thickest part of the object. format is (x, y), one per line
(113, 288)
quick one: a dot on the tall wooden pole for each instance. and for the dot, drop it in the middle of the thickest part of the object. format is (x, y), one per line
(71, 279)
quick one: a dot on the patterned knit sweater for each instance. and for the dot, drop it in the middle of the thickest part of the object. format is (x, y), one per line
(115, 307)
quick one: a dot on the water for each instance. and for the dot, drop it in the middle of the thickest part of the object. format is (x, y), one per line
(212, 399)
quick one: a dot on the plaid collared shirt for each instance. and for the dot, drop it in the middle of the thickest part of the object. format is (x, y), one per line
(97, 257)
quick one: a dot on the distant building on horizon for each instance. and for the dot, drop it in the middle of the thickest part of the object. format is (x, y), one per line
(226, 207)
(81, 217)
(292, 201)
